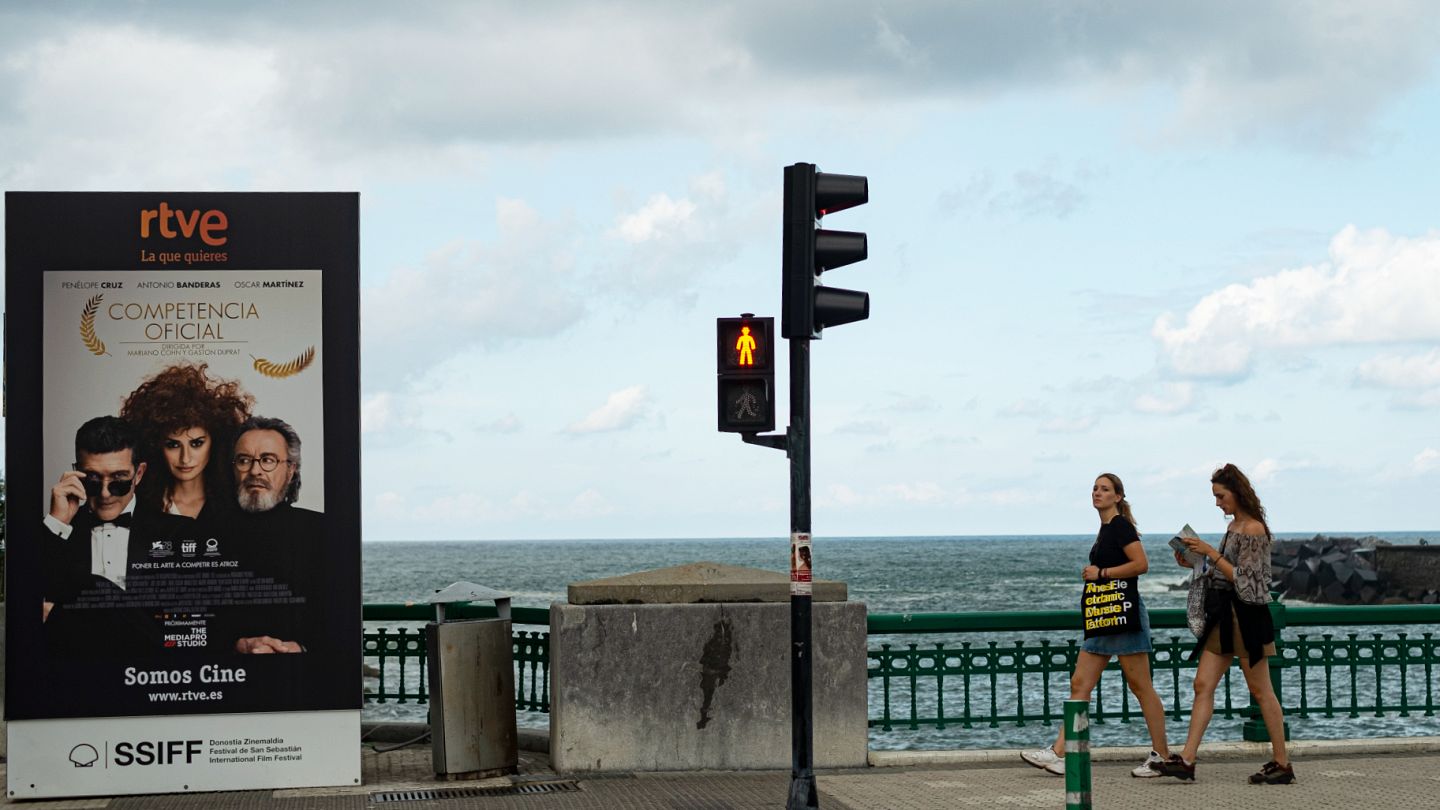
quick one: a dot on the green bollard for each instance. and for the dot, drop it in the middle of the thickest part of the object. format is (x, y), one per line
(1077, 755)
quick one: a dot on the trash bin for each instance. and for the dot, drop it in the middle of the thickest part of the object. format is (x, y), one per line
(472, 687)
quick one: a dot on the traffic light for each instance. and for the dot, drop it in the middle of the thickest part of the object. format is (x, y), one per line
(745, 367)
(807, 307)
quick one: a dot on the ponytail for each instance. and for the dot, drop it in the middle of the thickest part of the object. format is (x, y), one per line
(1124, 507)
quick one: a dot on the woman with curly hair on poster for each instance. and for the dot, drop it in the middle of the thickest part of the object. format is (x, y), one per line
(186, 422)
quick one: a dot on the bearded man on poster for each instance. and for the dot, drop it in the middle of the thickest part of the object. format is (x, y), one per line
(92, 537)
(282, 541)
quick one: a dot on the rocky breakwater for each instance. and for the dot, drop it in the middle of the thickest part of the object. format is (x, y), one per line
(1344, 571)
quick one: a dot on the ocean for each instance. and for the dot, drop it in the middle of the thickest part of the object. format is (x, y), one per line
(888, 574)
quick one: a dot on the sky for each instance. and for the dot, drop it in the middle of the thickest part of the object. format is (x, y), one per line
(1142, 238)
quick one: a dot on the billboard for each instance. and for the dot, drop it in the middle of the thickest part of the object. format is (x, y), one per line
(182, 465)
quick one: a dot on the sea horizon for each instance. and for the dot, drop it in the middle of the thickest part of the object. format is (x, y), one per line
(889, 575)
(1285, 535)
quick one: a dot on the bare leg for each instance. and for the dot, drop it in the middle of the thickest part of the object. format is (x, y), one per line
(1207, 677)
(1258, 679)
(1137, 674)
(1082, 682)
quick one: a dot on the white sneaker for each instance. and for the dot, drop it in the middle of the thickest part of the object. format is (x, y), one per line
(1046, 760)
(1143, 770)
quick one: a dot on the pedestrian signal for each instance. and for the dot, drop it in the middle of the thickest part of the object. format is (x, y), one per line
(745, 369)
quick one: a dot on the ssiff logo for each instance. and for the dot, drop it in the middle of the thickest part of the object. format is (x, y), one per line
(84, 755)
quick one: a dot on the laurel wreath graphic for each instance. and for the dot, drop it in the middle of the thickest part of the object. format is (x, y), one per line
(87, 326)
(282, 370)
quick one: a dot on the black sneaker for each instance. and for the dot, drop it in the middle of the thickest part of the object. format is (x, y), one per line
(1177, 767)
(1273, 773)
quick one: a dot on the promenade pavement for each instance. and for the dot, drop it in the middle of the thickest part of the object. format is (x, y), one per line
(1409, 778)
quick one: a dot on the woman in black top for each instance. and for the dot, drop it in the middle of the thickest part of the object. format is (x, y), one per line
(1236, 578)
(1118, 558)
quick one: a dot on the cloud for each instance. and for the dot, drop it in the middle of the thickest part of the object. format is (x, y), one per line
(657, 218)
(1401, 371)
(467, 294)
(390, 504)
(1421, 401)
(923, 492)
(1313, 74)
(83, 105)
(1195, 472)
(622, 410)
(376, 412)
(453, 511)
(460, 509)
(388, 418)
(913, 493)
(897, 46)
(1173, 398)
(588, 504)
(1375, 288)
(362, 78)
(1426, 461)
(509, 423)
(1078, 424)
(1014, 496)
(1025, 407)
(1029, 193)
(914, 403)
(838, 495)
(1266, 469)
(869, 427)
(668, 242)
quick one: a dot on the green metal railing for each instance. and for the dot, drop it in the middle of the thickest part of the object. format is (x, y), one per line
(989, 683)
(396, 654)
(1328, 669)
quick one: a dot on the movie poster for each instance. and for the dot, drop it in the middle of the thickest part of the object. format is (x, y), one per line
(182, 602)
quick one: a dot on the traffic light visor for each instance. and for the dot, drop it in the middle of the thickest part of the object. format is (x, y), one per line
(839, 248)
(834, 306)
(836, 192)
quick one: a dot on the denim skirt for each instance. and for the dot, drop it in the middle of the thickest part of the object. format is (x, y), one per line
(1134, 641)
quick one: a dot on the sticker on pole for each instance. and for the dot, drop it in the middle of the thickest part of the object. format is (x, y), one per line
(800, 563)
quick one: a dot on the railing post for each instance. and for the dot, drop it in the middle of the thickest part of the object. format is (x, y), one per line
(1077, 755)
(1253, 729)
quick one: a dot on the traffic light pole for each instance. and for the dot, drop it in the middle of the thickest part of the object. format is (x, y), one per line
(803, 795)
(807, 307)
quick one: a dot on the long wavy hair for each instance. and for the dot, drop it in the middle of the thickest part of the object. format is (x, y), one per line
(178, 398)
(1123, 505)
(1230, 477)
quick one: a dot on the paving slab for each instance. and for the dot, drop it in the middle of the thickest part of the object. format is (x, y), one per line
(1325, 782)
(1321, 784)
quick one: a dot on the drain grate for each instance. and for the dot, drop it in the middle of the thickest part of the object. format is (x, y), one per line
(436, 794)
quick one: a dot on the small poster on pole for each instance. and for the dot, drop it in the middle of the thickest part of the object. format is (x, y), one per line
(800, 564)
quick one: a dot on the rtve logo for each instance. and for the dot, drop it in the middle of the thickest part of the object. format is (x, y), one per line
(211, 224)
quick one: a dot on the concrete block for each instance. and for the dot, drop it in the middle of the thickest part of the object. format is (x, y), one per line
(700, 686)
(698, 582)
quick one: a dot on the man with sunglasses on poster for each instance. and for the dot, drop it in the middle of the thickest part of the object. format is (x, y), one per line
(92, 537)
